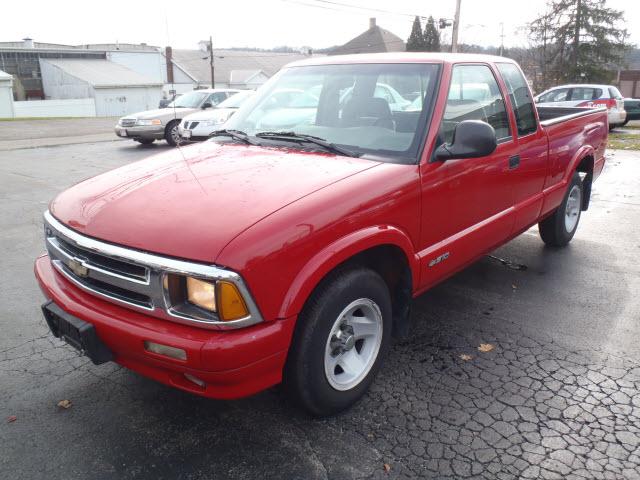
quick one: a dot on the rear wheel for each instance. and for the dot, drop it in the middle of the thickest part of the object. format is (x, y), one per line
(341, 338)
(558, 229)
(171, 133)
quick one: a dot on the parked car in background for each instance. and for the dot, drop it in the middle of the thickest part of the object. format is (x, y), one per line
(147, 127)
(293, 255)
(395, 100)
(632, 107)
(587, 95)
(197, 126)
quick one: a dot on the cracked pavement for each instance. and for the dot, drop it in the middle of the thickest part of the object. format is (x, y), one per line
(558, 396)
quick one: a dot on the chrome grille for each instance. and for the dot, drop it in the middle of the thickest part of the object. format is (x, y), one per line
(134, 279)
(127, 122)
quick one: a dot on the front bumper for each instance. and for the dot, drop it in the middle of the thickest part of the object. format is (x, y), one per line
(233, 363)
(155, 132)
(197, 134)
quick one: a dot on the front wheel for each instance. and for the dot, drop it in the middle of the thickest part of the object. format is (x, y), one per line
(171, 133)
(341, 338)
(558, 229)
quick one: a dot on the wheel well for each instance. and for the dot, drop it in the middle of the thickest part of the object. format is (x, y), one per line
(170, 124)
(391, 263)
(585, 167)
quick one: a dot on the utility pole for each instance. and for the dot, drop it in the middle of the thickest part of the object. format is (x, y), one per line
(456, 26)
(213, 82)
(501, 38)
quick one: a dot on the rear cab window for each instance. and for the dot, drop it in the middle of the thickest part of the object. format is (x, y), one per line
(520, 97)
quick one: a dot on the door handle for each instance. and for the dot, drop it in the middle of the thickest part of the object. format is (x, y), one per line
(514, 162)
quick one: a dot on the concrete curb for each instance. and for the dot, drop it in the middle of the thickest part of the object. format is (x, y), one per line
(56, 141)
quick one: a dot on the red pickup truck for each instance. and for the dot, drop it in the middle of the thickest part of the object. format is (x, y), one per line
(288, 248)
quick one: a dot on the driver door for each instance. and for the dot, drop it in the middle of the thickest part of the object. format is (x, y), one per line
(467, 204)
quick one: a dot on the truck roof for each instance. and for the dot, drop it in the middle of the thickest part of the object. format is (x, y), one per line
(402, 57)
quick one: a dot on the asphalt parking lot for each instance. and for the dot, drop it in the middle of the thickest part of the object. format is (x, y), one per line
(558, 396)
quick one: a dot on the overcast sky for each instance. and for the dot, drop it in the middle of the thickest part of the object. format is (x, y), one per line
(264, 23)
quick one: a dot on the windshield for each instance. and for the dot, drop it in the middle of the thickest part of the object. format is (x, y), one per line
(366, 108)
(236, 100)
(189, 100)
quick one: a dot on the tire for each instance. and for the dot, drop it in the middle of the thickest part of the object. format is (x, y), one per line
(329, 334)
(171, 134)
(145, 141)
(558, 229)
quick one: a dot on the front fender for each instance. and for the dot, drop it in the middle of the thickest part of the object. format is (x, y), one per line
(338, 252)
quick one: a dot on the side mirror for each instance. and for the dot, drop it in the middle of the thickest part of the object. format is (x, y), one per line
(206, 105)
(471, 139)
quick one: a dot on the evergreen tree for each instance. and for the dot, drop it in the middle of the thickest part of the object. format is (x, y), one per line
(415, 43)
(579, 41)
(431, 36)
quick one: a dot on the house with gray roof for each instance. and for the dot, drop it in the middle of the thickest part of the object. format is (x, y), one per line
(232, 68)
(374, 40)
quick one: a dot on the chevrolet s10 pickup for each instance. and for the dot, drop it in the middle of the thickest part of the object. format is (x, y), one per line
(288, 247)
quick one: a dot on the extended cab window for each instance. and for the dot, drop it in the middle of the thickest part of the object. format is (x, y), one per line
(474, 95)
(520, 98)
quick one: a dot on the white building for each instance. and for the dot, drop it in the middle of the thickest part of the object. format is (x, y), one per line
(6, 95)
(115, 89)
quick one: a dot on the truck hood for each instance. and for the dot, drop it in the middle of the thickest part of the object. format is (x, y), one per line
(190, 202)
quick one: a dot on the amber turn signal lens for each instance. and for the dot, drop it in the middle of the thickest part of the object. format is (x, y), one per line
(231, 305)
(201, 293)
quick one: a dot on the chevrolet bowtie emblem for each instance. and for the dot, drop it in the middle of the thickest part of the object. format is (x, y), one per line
(78, 268)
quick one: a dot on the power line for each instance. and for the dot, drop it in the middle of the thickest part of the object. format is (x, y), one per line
(355, 7)
(372, 9)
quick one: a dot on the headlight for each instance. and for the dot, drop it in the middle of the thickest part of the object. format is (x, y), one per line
(205, 299)
(201, 293)
(147, 123)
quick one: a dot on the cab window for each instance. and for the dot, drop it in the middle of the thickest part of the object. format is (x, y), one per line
(474, 95)
(520, 97)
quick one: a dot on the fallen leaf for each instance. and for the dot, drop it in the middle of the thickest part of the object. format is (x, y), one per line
(486, 347)
(11, 418)
(64, 404)
(466, 357)
(386, 467)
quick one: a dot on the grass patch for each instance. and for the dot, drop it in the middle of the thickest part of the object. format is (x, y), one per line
(624, 141)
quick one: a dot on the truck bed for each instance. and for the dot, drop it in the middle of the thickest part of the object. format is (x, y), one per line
(552, 115)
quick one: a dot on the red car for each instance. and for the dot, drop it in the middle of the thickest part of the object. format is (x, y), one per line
(292, 255)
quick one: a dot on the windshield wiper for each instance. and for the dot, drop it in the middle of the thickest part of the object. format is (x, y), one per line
(235, 134)
(297, 137)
